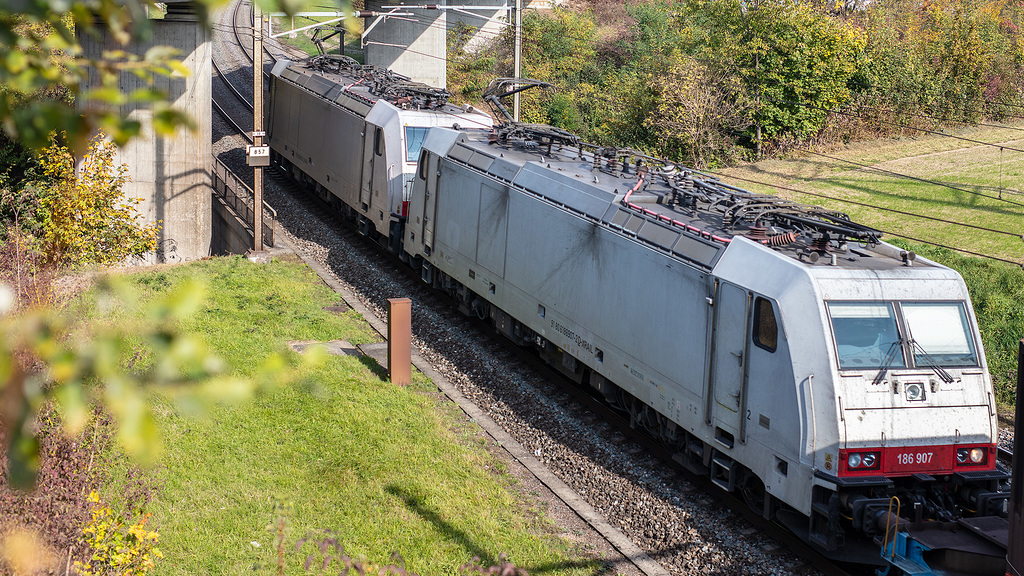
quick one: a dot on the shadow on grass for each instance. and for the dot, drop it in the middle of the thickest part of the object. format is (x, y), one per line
(375, 367)
(455, 534)
(443, 526)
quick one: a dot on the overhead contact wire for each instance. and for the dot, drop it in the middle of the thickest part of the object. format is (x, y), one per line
(909, 177)
(798, 191)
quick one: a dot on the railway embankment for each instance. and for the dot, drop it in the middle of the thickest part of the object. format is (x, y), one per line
(332, 451)
(388, 469)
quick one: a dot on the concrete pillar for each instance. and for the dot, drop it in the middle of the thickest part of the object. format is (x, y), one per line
(414, 46)
(172, 174)
(487, 30)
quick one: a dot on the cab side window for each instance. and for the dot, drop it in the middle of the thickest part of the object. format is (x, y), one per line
(766, 328)
(422, 172)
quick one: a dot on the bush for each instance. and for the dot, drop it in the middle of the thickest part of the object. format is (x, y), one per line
(88, 219)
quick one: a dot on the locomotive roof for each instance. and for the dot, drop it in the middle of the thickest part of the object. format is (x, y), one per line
(692, 215)
(358, 87)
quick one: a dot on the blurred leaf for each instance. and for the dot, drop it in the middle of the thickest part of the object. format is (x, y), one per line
(15, 61)
(166, 120)
(74, 407)
(179, 68)
(147, 95)
(186, 299)
(109, 95)
(159, 54)
(23, 460)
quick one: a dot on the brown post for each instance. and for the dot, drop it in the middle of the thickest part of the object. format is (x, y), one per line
(1015, 553)
(400, 341)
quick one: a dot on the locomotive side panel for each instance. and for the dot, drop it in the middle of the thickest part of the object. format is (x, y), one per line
(458, 210)
(591, 292)
(328, 150)
(602, 283)
(341, 154)
(562, 274)
(494, 199)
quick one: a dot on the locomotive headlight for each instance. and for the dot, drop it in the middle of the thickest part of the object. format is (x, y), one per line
(977, 455)
(854, 461)
(962, 455)
(915, 392)
(869, 459)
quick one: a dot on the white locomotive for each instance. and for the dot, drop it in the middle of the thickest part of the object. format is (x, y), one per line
(782, 349)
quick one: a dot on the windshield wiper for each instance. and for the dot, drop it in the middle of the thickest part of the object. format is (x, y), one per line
(890, 356)
(925, 357)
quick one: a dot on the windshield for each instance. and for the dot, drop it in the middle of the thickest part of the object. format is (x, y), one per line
(866, 335)
(414, 136)
(940, 333)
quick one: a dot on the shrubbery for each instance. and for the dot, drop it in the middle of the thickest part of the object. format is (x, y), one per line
(707, 81)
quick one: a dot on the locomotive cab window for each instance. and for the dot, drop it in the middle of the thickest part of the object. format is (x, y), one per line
(423, 165)
(414, 136)
(939, 333)
(866, 335)
(766, 327)
(378, 142)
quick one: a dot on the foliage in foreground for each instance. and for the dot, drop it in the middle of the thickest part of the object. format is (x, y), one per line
(49, 84)
(118, 546)
(41, 530)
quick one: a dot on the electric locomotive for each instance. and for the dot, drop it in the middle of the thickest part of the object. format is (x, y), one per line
(836, 381)
(782, 349)
(352, 134)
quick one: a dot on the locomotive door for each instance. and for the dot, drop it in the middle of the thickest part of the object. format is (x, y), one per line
(729, 356)
(430, 199)
(371, 141)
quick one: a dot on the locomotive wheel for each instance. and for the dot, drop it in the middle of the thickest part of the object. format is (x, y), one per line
(753, 491)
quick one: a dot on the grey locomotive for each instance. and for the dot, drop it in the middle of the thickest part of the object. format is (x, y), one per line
(782, 349)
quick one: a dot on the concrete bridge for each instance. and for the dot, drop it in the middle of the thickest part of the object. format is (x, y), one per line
(415, 46)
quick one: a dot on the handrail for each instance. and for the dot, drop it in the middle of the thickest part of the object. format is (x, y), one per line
(888, 521)
(239, 197)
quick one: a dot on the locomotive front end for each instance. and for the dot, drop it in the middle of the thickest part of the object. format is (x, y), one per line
(914, 413)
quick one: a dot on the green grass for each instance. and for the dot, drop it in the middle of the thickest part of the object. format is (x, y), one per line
(997, 288)
(975, 169)
(389, 469)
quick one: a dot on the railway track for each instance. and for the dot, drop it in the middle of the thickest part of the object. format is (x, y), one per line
(678, 520)
(588, 415)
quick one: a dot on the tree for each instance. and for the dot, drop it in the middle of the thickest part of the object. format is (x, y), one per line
(87, 218)
(700, 111)
(42, 56)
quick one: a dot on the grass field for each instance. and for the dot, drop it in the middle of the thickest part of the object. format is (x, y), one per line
(976, 175)
(389, 469)
(997, 288)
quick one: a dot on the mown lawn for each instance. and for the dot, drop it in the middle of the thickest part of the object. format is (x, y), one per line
(997, 288)
(986, 186)
(388, 469)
